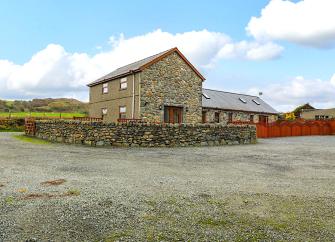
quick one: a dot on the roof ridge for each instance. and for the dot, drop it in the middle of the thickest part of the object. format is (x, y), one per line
(230, 92)
(158, 54)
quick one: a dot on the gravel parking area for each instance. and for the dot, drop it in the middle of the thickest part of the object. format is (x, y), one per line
(278, 189)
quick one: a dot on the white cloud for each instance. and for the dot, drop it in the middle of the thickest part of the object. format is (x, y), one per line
(287, 96)
(251, 51)
(307, 22)
(54, 72)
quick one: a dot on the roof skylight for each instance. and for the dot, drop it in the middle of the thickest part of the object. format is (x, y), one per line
(255, 101)
(206, 96)
(243, 100)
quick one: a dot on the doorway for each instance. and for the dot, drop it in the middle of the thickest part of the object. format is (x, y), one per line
(173, 114)
(263, 119)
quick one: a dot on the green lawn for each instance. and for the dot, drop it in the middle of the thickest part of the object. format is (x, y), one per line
(33, 140)
(41, 114)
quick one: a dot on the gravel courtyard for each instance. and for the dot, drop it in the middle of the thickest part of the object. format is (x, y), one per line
(278, 189)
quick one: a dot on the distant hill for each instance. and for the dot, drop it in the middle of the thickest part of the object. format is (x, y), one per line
(66, 105)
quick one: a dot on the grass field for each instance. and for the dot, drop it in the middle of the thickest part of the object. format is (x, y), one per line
(40, 114)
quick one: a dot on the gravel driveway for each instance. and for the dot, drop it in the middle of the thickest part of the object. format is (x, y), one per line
(278, 189)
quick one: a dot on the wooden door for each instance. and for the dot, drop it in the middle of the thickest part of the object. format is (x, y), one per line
(263, 119)
(173, 114)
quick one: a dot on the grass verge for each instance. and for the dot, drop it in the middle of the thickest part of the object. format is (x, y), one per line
(32, 140)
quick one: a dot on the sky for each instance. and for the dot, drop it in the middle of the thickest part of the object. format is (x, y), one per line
(284, 49)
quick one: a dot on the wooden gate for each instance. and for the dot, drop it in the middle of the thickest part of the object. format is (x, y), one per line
(29, 126)
(296, 128)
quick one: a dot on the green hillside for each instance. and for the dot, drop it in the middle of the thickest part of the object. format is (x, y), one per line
(50, 107)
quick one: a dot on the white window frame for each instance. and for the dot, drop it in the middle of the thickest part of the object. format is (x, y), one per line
(104, 88)
(104, 111)
(123, 83)
(122, 111)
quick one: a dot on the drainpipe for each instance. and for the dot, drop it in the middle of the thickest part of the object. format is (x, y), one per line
(139, 95)
(133, 100)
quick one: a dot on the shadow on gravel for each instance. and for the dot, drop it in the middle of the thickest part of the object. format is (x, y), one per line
(53, 182)
(68, 193)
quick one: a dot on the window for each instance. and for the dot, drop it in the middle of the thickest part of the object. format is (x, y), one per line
(122, 114)
(104, 111)
(206, 96)
(252, 118)
(217, 117)
(123, 83)
(230, 117)
(204, 117)
(317, 117)
(243, 100)
(173, 114)
(105, 88)
(255, 101)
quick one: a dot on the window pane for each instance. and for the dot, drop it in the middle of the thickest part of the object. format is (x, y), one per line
(123, 109)
(166, 115)
(123, 85)
(104, 111)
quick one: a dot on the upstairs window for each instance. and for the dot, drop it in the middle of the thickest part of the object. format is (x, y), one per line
(122, 113)
(105, 88)
(123, 83)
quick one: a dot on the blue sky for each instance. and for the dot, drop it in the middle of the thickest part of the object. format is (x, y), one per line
(85, 27)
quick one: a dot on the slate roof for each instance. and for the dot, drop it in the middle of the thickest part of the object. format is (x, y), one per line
(234, 101)
(140, 65)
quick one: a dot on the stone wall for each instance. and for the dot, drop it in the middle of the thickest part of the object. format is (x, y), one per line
(170, 82)
(145, 135)
(237, 116)
(16, 124)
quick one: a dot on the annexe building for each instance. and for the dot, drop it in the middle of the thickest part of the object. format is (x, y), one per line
(166, 87)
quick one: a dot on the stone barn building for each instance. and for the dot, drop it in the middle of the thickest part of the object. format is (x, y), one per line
(167, 88)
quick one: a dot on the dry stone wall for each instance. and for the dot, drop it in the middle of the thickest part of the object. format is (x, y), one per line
(12, 124)
(144, 135)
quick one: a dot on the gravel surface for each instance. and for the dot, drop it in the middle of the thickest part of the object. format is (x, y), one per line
(278, 189)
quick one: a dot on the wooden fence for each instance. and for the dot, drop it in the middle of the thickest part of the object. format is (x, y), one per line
(296, 128)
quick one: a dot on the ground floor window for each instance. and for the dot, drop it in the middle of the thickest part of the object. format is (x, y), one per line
(173, 114)
(217, 117)
(103, 112)
(263, 119)
(230, 117)
(252, 118)
(204, 118)
(122, 112)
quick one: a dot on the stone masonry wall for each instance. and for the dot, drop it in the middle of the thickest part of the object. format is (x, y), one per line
(16, 124)
(144, 135)
(170, 82)
(237, 116)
